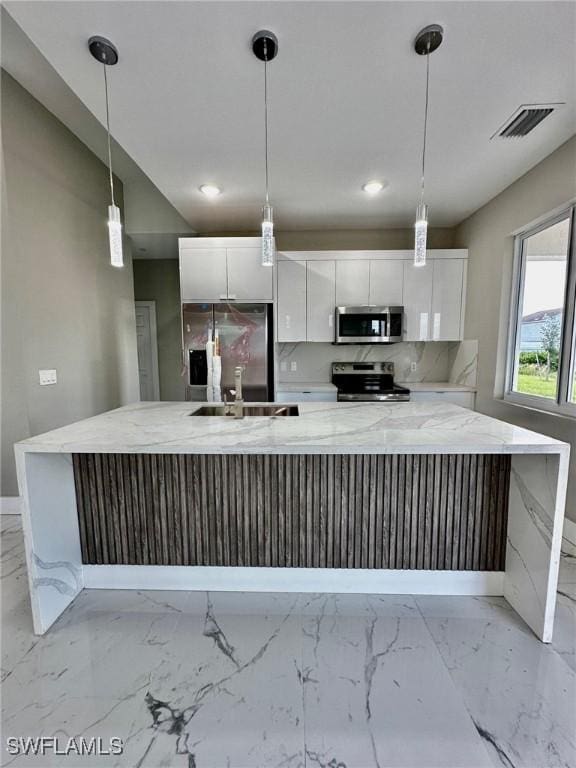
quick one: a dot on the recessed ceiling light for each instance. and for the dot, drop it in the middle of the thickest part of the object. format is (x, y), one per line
(373, 187)
(210, 190)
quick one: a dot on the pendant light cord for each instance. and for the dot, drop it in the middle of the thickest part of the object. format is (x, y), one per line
(266, 114)
(108, 132)
(425, 120)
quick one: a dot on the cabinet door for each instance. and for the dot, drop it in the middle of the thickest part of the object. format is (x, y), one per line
(291, 303)
(417, 301)
(202, 274)
(320, 300)
(248, 280)
(386, 282)
(447, 298)
(352, 282)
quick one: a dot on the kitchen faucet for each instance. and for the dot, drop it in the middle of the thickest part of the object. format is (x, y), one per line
(236, 408)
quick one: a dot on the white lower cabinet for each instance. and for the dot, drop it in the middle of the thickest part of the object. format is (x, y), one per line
(320, 300)
(291, 301)
(465, 399)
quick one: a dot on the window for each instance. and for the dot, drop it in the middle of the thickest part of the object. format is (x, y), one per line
(542, 359)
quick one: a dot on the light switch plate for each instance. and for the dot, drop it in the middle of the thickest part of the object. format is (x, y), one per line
(47, 376)
(413, 367)
(293, 365)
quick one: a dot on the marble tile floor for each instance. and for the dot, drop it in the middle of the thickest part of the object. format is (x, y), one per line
(278, 680)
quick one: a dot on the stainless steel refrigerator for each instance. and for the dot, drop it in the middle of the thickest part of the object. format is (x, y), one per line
(246, 339)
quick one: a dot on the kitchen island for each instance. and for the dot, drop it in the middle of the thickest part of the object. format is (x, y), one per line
(344, 497)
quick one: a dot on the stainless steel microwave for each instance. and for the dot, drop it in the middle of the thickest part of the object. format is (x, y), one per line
(368, 324)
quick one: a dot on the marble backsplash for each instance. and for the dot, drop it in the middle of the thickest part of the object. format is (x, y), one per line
(439, 361)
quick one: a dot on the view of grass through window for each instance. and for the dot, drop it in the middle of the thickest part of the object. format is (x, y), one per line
(545, 257)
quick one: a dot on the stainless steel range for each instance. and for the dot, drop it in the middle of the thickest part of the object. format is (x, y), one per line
(367, 381)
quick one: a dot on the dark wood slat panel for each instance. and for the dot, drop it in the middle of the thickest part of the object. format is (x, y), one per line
(385, 529)
(83, 526)
(343, 511)
(397, 468)
(337, 511)
(462, 472)
(439, 530)
(414, 510)
(329, 511)
(501, 512)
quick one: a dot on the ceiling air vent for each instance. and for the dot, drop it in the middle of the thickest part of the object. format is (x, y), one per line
(524, 120)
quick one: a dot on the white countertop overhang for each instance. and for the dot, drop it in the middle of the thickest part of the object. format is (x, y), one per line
(331, 428)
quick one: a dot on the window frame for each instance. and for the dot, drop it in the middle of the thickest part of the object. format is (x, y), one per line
(561, 406)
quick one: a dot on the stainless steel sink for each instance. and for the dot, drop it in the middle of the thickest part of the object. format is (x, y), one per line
(248, 410)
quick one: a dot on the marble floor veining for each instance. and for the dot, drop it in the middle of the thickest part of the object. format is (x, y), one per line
(263, 680)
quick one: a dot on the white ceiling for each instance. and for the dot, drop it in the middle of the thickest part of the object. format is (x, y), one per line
(346, 101)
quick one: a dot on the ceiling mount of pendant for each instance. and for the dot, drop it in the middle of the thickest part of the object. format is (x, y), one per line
(265, 45)
(428, 39)
(103, 50)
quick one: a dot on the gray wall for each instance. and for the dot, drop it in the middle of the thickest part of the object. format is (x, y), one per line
(488, 236)
(63, 305)
(158, 280)
(359, 239)
(350, 239)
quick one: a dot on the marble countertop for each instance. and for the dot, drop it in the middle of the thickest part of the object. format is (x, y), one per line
(427, 427)
(435, 386)
(305, 386)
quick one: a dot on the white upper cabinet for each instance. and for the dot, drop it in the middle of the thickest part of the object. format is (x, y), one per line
(291, 304)
(203, 274)
(224, 269)
(248, 280)
(320, 300)
(448, 287)
(386, 282)
(417, 301)
(352, 283)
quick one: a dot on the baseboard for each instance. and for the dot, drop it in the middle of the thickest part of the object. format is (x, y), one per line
(10, 505)
(339, 580)
(569, 538)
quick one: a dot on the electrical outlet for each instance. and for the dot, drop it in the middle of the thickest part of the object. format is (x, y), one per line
(413, 367)
(283, 366)
(47, 376)
(293, 365)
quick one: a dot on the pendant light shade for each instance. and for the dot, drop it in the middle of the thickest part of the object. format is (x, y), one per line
(265, 48)
(267, 236)
(106, 54)
(420, 233)
(115, 236)
(427, 41)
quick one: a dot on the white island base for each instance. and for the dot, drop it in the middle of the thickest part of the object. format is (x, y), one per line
(537, 491)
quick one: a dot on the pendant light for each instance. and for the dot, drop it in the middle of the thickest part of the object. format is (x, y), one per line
(265, 48)
(106, 54)
(426, 42)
